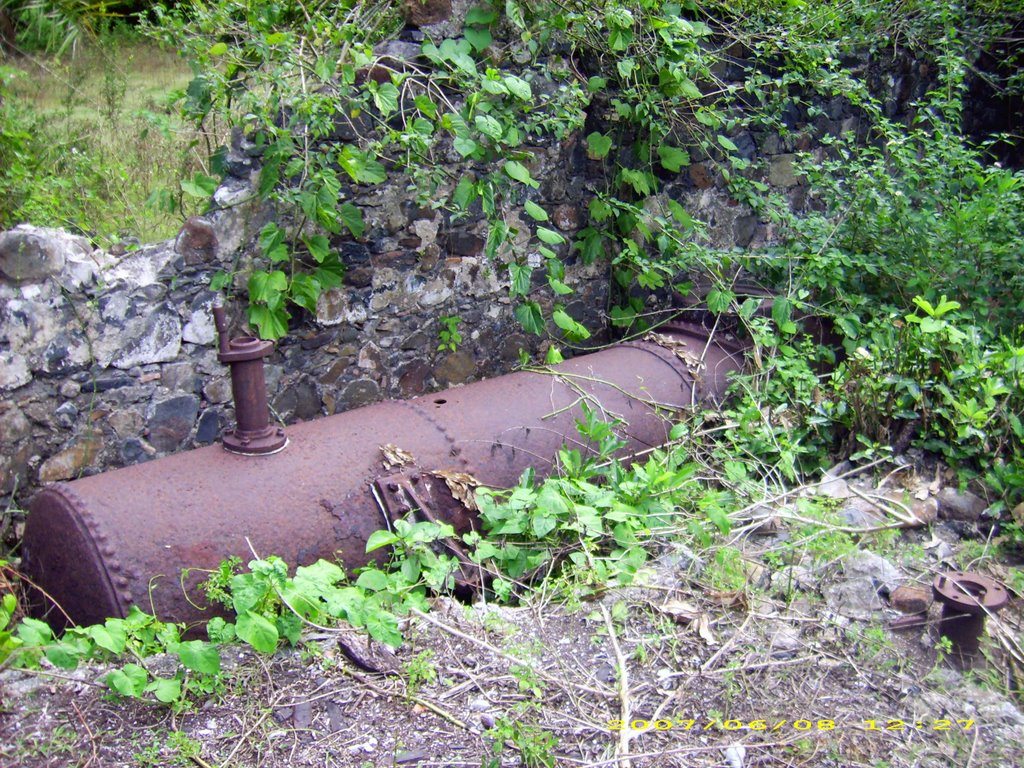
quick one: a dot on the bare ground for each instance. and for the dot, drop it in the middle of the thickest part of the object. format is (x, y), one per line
(733, 679)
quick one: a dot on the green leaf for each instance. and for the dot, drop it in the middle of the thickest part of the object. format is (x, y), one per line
(272, 322)
(166, 689)
(553, 356)
(549, 236)
(481, 16)
(572, 329)
(707, 117)
(680, 215)
(719, 301)
(425, 105)
(529, 316)
(495, 87)
(465, 193)
(218, 49)
(673, 158)
(330, 272)
(272, 243)
(220, 280)
(130, 680)
(33, 632)
(596, 84)
(305, 291)
(727, 143)
(63, 655)
(488, 126)
(479, 38)
(383, 627)
(200, 186)
(782, 311)
(257, 631)
(385, 98)
(276, 38)
(380, 539)
(373, 580)
(325, 67)
(520, 173)
(465, 146)
(267, 286)
(199, 656)
(362, 167)
(641, 182)
(598, 145)
(518, 87)
(457, 52)
(560, 288)
(352, 218)
(542, 525)
(319, 247)
(520, 274)
(113, 637)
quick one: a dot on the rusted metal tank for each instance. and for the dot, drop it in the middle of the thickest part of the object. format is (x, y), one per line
(143, 534)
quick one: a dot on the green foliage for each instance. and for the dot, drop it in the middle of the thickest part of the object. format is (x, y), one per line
(449, 335)
(534, 745)
(366, 120)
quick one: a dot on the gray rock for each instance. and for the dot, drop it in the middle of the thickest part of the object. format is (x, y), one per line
(170, 421)
(793, 578)
(781, 172)
(142, 267)
(155, 338)
(960, 505)
(32, 254)
(179, 377)
(218, 390)
(66, 414)
(209, 426)
(14, 370)
(134, 450)
(865, 577)
(358, 393)
(299, 401)
(73, 460)
(456, 368)
(199, 328)
(13, 424)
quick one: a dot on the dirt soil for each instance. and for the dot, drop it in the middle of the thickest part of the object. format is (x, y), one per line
(743, 678)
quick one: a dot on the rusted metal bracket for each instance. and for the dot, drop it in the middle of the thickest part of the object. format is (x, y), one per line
(427, 496)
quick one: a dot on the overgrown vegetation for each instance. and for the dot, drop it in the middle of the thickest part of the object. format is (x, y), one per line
(89, 140)
(910, 251)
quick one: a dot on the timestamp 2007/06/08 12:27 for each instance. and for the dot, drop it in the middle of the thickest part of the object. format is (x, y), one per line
(778, 725)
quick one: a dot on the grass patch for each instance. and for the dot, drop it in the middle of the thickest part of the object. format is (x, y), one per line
(92, 141)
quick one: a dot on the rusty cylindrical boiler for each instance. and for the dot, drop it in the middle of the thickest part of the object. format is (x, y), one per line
(137, 535)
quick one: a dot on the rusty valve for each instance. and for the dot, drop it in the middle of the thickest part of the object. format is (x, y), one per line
(253, 434)
(966, 599)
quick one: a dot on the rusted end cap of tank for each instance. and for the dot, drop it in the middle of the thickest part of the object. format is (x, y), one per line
(969, 592)
(70, 563)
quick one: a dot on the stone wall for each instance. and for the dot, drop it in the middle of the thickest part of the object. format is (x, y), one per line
(108, 358)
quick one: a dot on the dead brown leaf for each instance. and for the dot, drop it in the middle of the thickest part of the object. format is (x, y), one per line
(395, 457)
(461, 486)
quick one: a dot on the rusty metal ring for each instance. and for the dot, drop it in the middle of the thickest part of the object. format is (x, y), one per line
(970, 593)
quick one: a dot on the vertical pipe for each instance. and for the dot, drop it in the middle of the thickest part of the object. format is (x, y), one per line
(252, 434)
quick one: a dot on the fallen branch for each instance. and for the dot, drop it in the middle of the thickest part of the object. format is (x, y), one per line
(622, 748)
